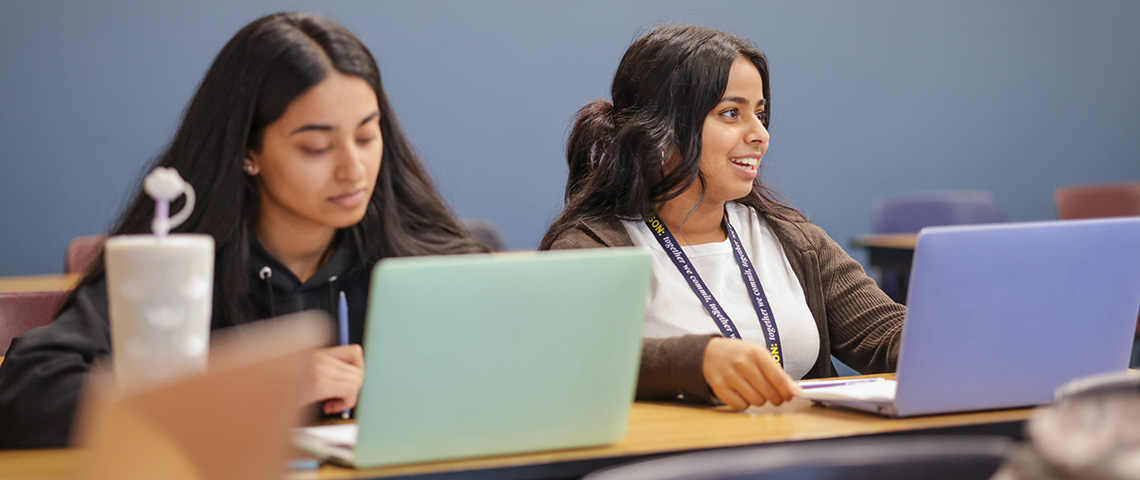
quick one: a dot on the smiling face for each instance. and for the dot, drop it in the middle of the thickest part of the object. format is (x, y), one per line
(318, 162)
(734, 138)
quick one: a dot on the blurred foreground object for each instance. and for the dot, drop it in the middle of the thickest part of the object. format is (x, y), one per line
(938, 457)
(1092, 432)
(232, 421)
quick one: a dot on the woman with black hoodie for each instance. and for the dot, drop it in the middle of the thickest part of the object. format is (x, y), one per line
(304, 179)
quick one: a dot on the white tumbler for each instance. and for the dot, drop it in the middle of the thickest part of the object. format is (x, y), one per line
(160, 293)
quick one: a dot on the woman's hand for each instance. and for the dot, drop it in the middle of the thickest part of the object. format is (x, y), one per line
(743, 373)
(335, 377)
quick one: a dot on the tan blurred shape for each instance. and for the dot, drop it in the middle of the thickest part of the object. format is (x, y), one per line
(232, 421)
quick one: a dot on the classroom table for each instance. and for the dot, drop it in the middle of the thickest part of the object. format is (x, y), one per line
(887, 241)
(892, 254)
(37, 283)
(655, 429)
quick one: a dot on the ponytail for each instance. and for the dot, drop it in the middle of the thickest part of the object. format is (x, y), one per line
(590, 138)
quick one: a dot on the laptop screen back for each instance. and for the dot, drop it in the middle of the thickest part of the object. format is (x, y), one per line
(491, 354)
(1000, 315)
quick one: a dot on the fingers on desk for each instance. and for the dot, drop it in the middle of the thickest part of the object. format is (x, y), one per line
(743, 374)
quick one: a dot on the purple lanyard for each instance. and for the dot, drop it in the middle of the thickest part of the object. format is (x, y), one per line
(759, 300)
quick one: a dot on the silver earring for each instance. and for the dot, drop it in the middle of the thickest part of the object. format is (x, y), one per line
(249, 168)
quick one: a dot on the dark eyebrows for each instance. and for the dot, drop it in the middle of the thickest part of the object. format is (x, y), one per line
(370, 117)
(743, 101)
(328, 128)
(311, 127)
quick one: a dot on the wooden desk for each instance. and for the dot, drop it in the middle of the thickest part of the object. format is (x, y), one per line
(892, 254)
(37, 464)
(658, 429)
(655, 429)
(36, 283)
(887, 241)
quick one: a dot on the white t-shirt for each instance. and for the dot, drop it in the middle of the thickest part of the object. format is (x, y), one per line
(675, 310)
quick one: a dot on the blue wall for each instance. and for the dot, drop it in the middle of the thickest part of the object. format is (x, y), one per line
(869, 98)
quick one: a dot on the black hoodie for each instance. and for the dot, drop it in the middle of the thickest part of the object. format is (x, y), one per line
(44, 369)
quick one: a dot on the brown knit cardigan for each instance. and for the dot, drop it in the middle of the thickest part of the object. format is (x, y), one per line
(857, 322)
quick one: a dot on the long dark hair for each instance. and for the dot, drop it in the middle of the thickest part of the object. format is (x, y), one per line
(255, 77)
(667, 83)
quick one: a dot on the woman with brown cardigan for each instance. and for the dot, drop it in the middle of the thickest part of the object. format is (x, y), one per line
(671, 165)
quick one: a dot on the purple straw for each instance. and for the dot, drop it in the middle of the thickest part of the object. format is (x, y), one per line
(162, 217)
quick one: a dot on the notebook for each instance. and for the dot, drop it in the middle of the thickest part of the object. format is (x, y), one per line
(474, 355)
(1000, 315)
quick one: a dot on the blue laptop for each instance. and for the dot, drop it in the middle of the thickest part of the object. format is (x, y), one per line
(1000, 315)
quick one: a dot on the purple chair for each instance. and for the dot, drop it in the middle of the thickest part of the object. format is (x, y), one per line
(910, 213)
(22, 311)
(82, 251)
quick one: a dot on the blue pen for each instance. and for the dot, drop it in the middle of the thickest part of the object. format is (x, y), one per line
(342, 324)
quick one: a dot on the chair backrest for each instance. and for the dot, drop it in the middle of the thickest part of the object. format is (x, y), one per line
(909, 213)
(1095, 200)
(485, 232)
(22, 311)
(82, 251)
(933, 458)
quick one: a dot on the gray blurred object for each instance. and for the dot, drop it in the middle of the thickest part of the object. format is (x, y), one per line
(485, 232)
(926, 457)
(1127, 382)
(1092, 432)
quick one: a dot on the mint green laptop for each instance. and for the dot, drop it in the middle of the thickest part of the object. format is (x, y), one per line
(474, 355)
